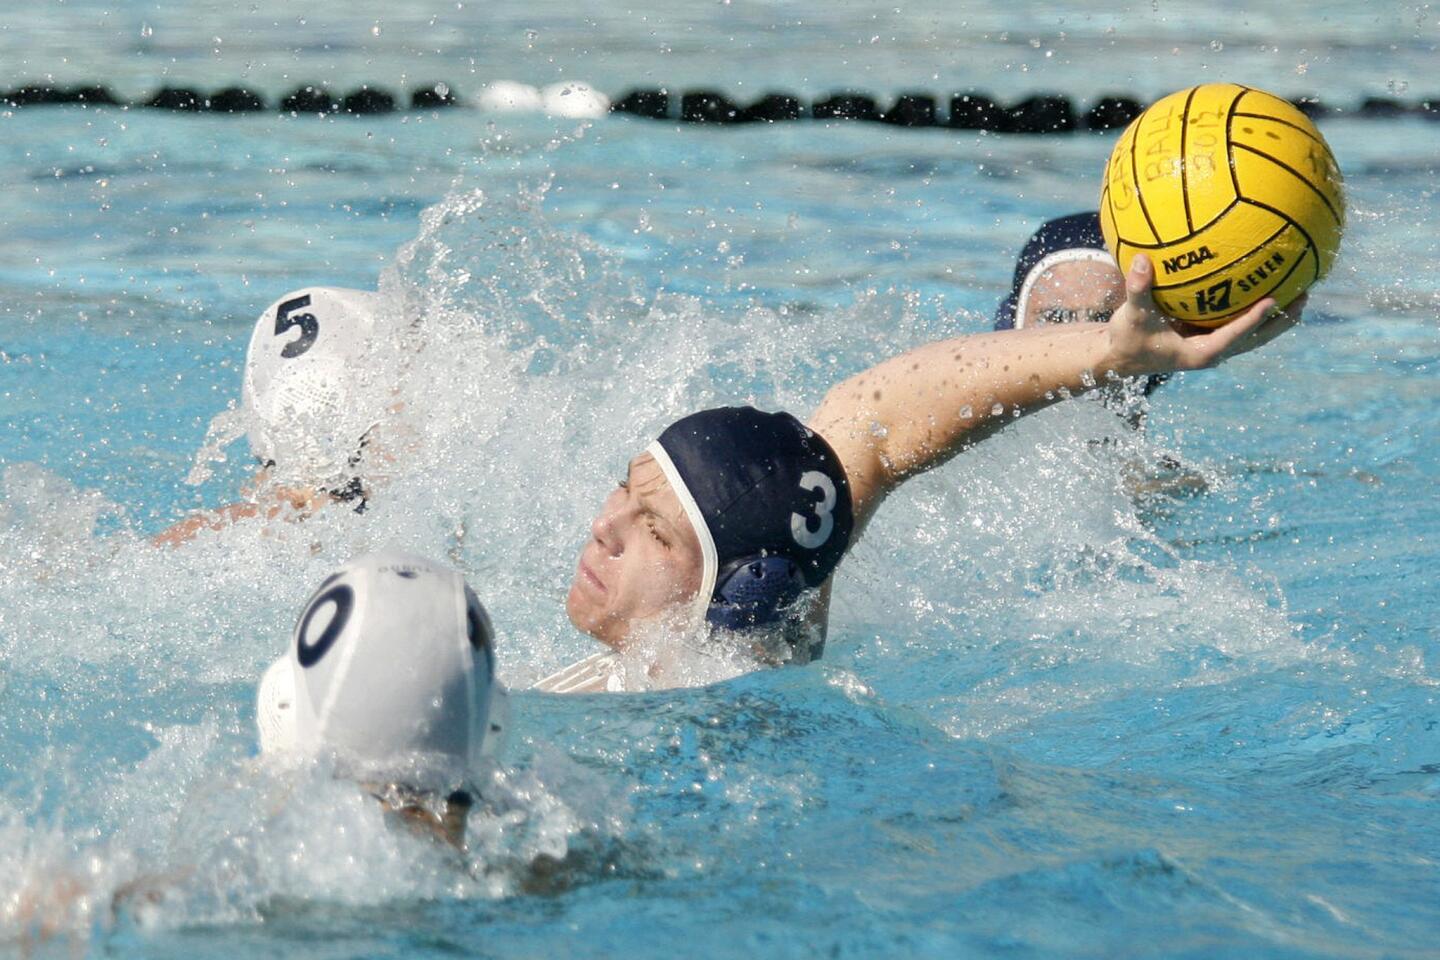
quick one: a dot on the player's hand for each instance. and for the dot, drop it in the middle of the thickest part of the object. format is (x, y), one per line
(1144, 340)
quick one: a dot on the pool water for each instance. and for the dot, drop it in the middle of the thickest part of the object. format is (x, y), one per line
(1056, 717)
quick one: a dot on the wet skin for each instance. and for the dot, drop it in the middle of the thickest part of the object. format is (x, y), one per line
(1084, 291)
(642, 558)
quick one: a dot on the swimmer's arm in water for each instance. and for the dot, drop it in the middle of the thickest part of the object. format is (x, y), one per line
(300, 502)
(917, 410)
(193, 525)
(65, 903)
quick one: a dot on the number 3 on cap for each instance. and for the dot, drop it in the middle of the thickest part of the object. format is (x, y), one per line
(815, 480)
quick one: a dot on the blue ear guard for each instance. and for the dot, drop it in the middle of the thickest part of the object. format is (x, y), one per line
(754, 592)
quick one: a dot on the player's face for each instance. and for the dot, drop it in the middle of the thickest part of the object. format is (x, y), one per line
(1085, 291)
(410, 807)
(642, 558)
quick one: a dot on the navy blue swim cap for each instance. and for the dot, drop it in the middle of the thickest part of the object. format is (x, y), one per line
(1064, 239)
(769, 501)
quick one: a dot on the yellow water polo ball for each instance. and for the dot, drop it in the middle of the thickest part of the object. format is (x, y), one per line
(1233, 194)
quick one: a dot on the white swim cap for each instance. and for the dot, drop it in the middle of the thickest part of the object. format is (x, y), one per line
(507, 96)
(574, 100)
(302, 396)
(392, 666)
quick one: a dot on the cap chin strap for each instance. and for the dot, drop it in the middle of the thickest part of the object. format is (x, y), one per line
(476, 726)
(1070, 255)
(701, 604)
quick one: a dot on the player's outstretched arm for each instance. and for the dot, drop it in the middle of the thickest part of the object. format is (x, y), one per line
(295, 503)
(916, 410)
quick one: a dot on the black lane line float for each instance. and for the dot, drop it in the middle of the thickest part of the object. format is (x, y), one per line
(1041, 113)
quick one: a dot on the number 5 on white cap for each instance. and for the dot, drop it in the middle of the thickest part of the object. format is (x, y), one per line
(286, 318)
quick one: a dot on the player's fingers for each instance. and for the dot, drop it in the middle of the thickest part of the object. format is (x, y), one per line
(1276, 322)
(1138, 282)
(1234, 337)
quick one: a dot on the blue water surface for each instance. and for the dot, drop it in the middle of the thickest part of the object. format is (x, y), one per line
(1061, 714)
